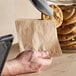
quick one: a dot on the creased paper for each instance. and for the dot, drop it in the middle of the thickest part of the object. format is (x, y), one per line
(38, 35)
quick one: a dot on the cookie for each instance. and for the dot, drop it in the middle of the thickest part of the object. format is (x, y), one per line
(66, 37)
(74, 31)
(72, 20)
(66, 29)
(58, 15)
(70, 49)
(68, 43)
(68, 12)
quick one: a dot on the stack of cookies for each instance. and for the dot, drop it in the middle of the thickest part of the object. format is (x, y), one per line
(65, 17)
(67, 31)
(58, 15)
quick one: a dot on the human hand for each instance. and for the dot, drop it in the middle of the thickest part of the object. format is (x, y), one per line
(27, 62)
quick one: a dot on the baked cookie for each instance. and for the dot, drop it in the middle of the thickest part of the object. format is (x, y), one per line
(58, 15)
(68, 12)
(74, 31)
(68, 43)
(72, 20)
(66, 37)
(66, 29)
(70, 49)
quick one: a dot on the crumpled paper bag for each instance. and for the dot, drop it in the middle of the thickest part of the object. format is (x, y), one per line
(38, 35)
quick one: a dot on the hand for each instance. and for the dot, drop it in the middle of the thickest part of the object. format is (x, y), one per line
(27, 62)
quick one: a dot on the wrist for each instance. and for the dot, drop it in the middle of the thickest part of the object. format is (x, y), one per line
(9, 68)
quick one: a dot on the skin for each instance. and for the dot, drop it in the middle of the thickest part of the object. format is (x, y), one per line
(27, 62)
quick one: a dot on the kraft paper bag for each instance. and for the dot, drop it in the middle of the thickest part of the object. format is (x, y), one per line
(38, 35)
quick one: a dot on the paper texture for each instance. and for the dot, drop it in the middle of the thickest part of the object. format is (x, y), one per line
(38, 35)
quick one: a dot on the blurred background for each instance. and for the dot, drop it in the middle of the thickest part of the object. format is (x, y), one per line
(11, 10)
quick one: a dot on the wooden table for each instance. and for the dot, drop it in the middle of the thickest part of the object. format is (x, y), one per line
(64, 65)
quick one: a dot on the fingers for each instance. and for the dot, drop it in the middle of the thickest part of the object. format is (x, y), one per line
(44, 62)
(45, 54)
(42, 58)
(42, 54)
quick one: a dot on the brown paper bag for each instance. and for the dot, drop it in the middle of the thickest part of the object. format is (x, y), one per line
(38, 35)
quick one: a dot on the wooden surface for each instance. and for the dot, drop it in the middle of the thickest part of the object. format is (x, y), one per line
(64, 65)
